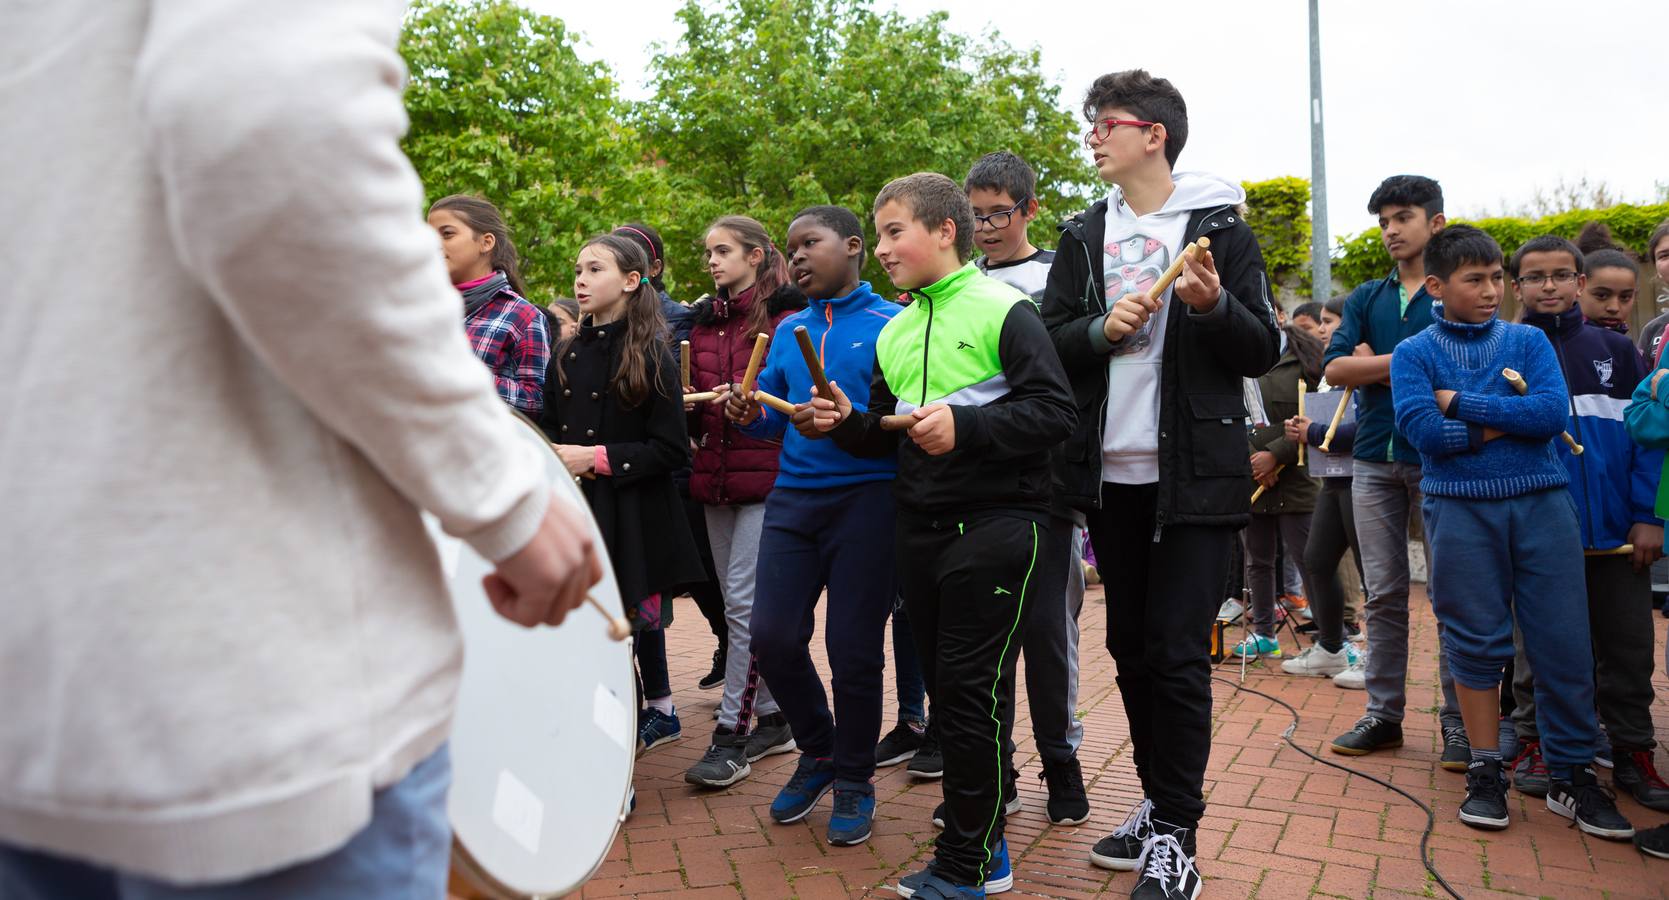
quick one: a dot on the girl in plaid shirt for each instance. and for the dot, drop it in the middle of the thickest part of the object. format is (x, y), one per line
(508, 333)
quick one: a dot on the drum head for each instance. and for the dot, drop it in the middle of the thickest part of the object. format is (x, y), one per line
(544, 738)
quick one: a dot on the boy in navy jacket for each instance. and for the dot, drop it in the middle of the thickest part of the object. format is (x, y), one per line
(1503, 530)
(1614, 483)
(828, 523)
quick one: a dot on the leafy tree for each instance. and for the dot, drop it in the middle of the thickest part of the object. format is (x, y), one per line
(1278, 212)
(502, 106)
(767, 106)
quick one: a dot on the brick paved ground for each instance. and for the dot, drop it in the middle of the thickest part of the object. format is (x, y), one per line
(1278, 824)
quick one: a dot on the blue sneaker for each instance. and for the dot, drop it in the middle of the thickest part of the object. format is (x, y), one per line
(655, 728)
(812, 779)
(999, 881)
(853, 813)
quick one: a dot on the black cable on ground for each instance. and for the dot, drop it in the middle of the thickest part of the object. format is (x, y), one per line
(1431, 818)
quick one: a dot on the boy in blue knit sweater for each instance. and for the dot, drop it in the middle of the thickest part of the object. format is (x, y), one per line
(1503, 530)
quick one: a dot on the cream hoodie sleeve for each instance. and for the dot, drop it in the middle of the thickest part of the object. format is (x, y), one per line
(275, 128)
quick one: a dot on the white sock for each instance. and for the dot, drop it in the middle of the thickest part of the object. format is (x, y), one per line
(662, 704)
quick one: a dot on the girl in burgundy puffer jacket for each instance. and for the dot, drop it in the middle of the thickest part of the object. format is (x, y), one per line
(733, 473)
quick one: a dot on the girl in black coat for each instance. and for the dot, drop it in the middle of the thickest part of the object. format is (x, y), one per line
(614, 411)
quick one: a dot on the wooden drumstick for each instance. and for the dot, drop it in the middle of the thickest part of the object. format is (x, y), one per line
(1261, 488)
(1624, 550)
(774, 402)
(684, 362)
(1189, 252)
(898, 423)
(813, 364)
(618, 628)
(700, 396)
(758, 357)
(1518, 383)
(1302, 388)
(1333, 426)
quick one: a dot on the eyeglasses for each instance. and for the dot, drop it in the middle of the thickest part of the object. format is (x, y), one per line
(1000, 220)
(1536, 281)
(1104, 129)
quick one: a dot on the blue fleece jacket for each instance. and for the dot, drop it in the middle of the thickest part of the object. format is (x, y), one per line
(843, 329)
(1614, 481)
(1468, 359)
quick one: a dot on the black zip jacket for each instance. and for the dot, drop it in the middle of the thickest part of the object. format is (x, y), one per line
(1203, 463)
(1012, 407)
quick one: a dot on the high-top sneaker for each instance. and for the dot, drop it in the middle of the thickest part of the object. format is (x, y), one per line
(1168, 871)
(1636, 774)
(1122, 850)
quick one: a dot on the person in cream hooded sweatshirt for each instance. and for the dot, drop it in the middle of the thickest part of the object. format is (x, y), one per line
(231, 374)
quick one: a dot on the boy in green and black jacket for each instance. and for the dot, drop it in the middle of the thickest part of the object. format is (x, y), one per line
(971, 363)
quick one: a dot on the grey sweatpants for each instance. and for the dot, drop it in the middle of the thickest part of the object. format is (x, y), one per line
(734, 532)
(1382, 497)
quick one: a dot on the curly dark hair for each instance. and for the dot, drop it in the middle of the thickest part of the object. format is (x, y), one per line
(1153, 99)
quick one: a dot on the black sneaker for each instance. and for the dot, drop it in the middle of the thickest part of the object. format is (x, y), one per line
(1636, 773)
(1371, 733)
(929, 761)
(771, 735)
(1486, 796)
(1168, 871)
(1122, 850)
(724, 763)
(1011, 801)
(715, 677)
(1653, 841)
(1589, 804)
(899, 744)
(1457, 750)
(1068, 803)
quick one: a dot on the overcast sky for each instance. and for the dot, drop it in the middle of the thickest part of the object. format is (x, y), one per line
(1492, 98)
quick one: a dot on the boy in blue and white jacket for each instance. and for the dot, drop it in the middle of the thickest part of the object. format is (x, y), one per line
(1614, 483)
(829, 522)
(1503, 530)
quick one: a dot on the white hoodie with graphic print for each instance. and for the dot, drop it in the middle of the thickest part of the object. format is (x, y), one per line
(1138, 249)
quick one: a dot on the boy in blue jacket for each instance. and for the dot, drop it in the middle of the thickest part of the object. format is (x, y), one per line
(1503, 531)
(1614, 483)
(829, 522)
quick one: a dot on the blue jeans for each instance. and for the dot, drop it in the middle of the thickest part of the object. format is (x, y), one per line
(912, 690)
(403, 853)
(1496, 559)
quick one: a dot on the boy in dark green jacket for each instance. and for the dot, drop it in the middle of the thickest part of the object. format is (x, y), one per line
(970, 362)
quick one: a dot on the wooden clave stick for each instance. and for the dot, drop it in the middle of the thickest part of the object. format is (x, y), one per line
(813, 364)
(759, 345)
(684, 363)
(700, 396)
(774, 402)
(1189, 252)
(1338, 416)
(1518, 383)
(1302, 388)
(1259, 492)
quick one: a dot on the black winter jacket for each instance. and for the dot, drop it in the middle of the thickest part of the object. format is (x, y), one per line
(1203, 466)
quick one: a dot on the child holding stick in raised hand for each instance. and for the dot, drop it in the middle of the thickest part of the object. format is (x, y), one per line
(1159, 462)
(828, 523)
(1503, 531)
(969, 363)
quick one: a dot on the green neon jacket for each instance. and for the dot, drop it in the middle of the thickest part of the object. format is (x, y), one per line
(979, 346)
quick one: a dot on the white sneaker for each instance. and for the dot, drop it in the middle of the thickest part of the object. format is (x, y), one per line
(1353, 678)
(1316, 662)
(1231, 610)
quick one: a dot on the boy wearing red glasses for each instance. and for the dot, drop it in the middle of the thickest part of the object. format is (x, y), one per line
(1158, 463)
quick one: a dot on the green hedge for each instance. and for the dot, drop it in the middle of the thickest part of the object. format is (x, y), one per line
(1278, 211)
(1363, 258)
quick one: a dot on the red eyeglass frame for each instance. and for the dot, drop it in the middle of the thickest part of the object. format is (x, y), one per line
(1111, 124)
